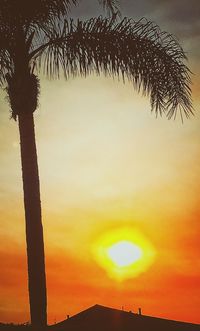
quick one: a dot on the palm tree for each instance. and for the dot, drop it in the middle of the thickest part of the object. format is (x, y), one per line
(37, 36)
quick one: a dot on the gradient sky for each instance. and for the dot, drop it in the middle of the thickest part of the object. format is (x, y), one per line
(106, 162)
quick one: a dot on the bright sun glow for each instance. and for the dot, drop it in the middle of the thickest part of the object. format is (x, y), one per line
(124, 253)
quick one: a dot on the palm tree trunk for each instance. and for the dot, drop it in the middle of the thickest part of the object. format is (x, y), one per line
(34, 229)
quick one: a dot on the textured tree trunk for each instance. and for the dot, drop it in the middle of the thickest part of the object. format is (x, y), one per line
(34, 230)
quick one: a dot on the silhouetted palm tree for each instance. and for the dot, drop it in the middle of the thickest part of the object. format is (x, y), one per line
(37, 35)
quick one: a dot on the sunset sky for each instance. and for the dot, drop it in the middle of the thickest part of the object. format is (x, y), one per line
(108, 165)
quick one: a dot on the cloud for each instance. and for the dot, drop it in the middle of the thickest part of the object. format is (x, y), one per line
(183, 11)
(183, 15)
(180, 17)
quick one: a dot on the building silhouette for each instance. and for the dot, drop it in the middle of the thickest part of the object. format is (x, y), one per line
(100, 318)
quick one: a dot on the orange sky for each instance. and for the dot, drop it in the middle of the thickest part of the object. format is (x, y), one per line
(105, 162)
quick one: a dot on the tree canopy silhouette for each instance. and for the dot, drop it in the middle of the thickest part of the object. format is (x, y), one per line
(38, 37)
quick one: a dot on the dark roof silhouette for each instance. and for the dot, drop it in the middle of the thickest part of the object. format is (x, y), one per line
(100, 318)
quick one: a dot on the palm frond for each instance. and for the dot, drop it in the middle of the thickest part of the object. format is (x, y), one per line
(6, 66)
(111, 6)
(16, 12)
(139, 51)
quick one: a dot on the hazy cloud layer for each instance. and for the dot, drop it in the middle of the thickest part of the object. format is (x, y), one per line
(180, 17)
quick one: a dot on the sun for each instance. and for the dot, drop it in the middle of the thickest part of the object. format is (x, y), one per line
(124, 253)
